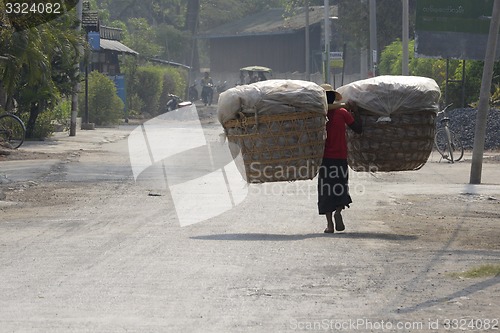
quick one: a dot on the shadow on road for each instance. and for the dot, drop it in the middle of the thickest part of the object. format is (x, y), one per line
(460, 293)
(278, 237)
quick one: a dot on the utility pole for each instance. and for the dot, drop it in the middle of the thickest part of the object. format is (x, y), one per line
(406, 33)
(76, 86)
(484, 97)
(327, 42)
(308, 46)
(373, 37)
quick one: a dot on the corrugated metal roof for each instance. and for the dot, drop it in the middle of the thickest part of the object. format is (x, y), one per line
(269, 22)
(114, 45)
(170, 63)
(90, 20)
(110, 33)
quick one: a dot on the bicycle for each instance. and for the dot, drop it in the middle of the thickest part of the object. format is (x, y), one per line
(12, 131)
(447, 143)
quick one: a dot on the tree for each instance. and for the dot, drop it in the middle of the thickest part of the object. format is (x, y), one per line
(354, 21)
(390, 64)
(141, 36)
(167, 28)
(191, 25)
(173, 42)
(40, 66)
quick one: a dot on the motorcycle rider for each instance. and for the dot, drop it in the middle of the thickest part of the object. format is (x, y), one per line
(207, 89)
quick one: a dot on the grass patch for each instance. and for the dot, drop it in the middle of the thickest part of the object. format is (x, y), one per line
(480, 271)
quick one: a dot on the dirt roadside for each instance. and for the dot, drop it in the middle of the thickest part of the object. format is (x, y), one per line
(86, 249)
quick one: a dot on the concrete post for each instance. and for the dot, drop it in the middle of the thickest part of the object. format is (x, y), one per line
(484, 97)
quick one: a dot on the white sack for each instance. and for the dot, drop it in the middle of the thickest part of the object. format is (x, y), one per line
(386, 94)
(235, 100)
(271, 97)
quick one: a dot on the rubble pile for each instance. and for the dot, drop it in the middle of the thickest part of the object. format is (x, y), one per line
(463, 123)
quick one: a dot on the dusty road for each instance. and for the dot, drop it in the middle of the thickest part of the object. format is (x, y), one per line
(85, 248)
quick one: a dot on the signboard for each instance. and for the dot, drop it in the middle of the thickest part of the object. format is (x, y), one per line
(336, 59)
(455, 29)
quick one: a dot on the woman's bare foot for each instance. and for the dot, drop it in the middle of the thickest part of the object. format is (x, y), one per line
(339, 222)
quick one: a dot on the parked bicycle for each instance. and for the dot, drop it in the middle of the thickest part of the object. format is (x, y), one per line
(447, 143)
(12, 131)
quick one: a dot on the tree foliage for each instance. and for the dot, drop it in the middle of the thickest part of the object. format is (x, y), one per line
(40, 66)
(354, 21)
(40, 71)
(391, 64)
(150, 86)
(165, 28)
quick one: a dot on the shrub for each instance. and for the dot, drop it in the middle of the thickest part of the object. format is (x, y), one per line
(61, 114)
(135, 105)
(105, 107)
(149, 88)
(44, 126)
(173, 83)
(52, 117)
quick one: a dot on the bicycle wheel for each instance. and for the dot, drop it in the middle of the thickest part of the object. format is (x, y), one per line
(452, 150)
(12, 131)
(457, 147)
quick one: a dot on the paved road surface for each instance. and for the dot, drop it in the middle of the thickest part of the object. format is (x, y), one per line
(85, 248)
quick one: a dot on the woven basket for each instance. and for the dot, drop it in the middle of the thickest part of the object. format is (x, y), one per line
(403, 144)
(279, 147)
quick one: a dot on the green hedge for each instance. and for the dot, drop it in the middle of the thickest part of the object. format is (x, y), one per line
(105, 107)
(149, 87)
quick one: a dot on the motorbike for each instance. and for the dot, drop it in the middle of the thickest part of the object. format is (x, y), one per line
(175, 102)
(207, 94)
(193, 93)
(221, 87)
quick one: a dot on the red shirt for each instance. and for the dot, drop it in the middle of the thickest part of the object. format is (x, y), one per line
(336, 142)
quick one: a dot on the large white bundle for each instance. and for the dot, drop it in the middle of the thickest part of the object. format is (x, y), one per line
(398, 114)
(235, 100)
(385, 95)
(271, 97)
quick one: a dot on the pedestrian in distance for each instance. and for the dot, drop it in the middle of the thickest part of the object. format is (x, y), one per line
(333, 176)
(207, 90)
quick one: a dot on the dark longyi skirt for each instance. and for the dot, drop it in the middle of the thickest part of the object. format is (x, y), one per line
(333, 188)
